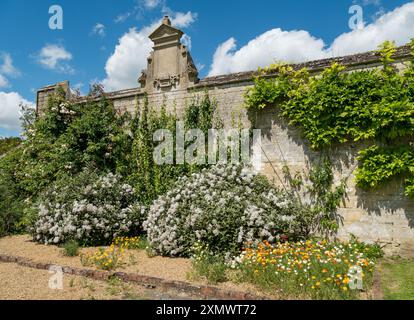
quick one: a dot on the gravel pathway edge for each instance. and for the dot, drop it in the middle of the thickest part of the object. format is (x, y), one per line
(206, 292)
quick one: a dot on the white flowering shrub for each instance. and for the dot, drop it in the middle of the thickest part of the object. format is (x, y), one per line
(224, 207)
(88, 208)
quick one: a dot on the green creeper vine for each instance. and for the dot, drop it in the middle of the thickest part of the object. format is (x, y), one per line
(151, 180)
(338, 107)
(320, 211)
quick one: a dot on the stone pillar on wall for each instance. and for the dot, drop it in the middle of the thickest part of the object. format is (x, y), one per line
(43, 93)
(170, 66)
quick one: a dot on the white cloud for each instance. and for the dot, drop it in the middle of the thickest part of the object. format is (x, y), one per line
(55, 57)
(297, 46)
(7, 66)
(130, 56)
(99, 29)
(151, 4)
(4, 83)
(397, 25)
(7, 69)
(10, 110)
(271, 46)
(122, 17)
(181, 19)
(186, 40)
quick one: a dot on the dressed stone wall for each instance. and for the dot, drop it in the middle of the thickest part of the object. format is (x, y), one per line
(385, 215)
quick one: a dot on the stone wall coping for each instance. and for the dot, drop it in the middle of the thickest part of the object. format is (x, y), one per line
(371, 58)
(366, 58)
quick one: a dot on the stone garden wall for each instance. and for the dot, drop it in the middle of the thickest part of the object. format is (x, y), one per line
(384, 215)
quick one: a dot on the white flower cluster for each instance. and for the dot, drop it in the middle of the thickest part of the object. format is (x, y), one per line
(223, 207)
(91, 214)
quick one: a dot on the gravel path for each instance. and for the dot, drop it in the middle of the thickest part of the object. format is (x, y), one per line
(176, 269)
(21, 283)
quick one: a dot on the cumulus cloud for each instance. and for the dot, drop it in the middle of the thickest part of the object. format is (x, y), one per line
(181, 19)
(397, 25)
(99, 29)
(130, 56)
(7, 69)
(10, 110)
(271, 46)
(298, 46)
(123, 67)
(56, 58)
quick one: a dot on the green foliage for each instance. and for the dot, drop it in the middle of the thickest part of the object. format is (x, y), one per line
(309, 269)
(149, 179)
(71, 248)
(371, 251)
(11, 199)
(338, 107)
(224, 207)
(68, 137)
(7, 144)
(381, 164)
(88, 134)
(89, 208)
(319, 213)
(387, 51)
(207, 264)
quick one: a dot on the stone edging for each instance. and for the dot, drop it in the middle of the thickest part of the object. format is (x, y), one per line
(208, 292)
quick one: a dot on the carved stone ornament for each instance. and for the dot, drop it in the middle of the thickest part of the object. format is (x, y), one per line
(143, 79)
(167, 82)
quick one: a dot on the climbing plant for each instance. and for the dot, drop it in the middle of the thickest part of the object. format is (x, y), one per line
(319, 197)
(150, 179)
(338, 107)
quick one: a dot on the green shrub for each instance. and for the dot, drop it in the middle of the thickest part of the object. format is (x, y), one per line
(223, 207)
(7, 144)
(11, 196)
(74, 135)
(71, 248)
(90, 208)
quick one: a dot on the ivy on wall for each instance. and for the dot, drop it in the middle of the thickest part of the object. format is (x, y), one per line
(338, 107)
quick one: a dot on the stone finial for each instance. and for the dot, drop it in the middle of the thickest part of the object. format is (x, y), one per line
(166, 21)
(170, 66)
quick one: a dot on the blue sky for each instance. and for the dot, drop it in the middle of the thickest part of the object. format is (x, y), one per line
(105, 41)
